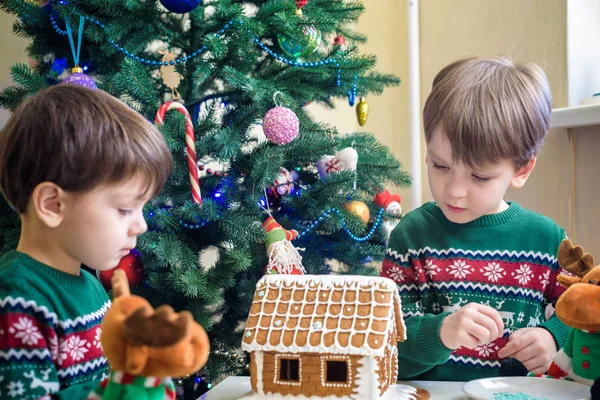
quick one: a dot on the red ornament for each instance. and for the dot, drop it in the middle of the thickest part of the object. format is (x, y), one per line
(301, 3)
(339, 43)
(132, 265)
(339, 40)
(383, 199)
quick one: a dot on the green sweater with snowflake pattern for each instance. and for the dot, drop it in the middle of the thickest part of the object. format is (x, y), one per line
(49, 331)
(506, 260)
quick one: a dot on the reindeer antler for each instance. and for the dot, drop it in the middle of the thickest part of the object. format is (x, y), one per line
(573, 259)
(120, 284)
(156, 329)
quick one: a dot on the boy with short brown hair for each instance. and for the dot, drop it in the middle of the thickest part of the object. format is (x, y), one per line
(475, 273)
(78, 165)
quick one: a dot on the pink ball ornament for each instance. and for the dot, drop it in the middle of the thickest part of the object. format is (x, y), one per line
(281, 125)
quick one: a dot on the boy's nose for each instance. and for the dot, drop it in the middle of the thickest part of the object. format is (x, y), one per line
(139, 226)
(456, 188)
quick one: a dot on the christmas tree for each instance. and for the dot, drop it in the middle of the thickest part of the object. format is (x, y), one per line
(244, 146)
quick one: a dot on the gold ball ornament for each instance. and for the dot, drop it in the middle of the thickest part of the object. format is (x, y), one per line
(362, 111)
(360, 209)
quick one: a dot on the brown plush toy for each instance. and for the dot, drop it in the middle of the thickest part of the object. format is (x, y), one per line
(145, 347)
(579, 308)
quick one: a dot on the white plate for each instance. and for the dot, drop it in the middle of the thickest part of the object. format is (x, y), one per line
(394, 392)
(538, 388)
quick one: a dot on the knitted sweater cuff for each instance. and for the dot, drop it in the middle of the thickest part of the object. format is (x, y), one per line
(559, 330)
(429, 341)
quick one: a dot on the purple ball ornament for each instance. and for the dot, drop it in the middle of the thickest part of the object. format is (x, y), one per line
(280, 125)
(77, 77)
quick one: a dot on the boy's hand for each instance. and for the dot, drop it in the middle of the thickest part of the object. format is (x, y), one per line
(471, 326)
(534, 347)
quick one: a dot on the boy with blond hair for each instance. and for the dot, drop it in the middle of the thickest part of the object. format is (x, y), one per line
(78, 166)
(475, 272)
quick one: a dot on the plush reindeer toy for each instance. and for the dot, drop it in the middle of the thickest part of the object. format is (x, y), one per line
(146, 347)
(579, 308)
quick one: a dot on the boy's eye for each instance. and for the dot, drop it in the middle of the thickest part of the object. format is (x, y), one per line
(125, 212)
(480, 179)
(437, 166)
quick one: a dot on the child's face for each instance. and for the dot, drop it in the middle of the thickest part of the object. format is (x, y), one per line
(465, 194)
(101, 226)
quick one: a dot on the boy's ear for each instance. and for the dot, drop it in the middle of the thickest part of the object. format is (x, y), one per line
(522, 174)
(48, 203)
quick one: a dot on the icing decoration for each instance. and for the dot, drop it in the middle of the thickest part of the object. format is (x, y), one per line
(345, 295)
(349, 325)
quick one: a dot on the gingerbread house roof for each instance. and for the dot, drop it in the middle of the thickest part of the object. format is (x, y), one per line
(338, 314)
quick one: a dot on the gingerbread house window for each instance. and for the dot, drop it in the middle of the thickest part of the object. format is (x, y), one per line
(337, 371)
(288, 369)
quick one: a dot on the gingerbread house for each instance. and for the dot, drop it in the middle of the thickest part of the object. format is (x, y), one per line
(324, 335)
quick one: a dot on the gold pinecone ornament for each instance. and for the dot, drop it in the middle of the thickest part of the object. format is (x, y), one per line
(362, 111)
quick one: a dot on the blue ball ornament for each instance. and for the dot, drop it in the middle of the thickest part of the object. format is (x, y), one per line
(180, 6)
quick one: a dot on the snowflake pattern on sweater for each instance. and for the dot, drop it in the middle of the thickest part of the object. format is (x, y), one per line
(59, 357)
(49, 330)
(518, 290)
(440, 267)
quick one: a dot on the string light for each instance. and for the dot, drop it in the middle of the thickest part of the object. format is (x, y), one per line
(218, 195)
(193, 226)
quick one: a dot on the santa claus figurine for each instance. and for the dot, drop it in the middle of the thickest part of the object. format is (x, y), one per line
(283, 256)
(390, 203)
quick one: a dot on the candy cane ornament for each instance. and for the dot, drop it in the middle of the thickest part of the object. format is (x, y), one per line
(189, 141)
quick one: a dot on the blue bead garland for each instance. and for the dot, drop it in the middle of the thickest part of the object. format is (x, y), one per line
(199, 51)
(300, 64)
(351, 99)
(352, 93)
(55, 26)
(314, 224)
(368, 236)
(133, 56)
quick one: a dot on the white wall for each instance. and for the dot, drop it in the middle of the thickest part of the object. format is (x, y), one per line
(385, 23)
(12, 49)
(583, 57)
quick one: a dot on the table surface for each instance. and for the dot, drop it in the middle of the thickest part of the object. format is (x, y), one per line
(234, 387)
